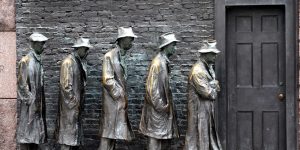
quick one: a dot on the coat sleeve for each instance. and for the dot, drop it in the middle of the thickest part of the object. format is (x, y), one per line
(109, 81)
(66, 84)
(201, 85)
(24, 92)
(154, 89)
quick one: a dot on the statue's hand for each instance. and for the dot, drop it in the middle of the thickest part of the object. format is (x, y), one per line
(30, 99)
(214, 84)
(122, 101)
(166, 108)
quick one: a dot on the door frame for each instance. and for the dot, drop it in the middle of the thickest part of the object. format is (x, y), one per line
(291, 65)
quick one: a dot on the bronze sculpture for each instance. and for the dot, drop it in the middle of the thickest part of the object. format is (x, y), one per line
(158, 120)
(202, 92)
(32, 123)
(73, 76)
(115, 123)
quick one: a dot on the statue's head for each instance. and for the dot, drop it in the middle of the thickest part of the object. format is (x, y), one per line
(82, 46)
(125, 43)
(125, 39)
(209, 51)
(38, 47)
(38, 41)
(209, 57)
(168, 43)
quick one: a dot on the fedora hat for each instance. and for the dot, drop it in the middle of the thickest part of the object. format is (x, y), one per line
(82, 42)
(125, 32)
(37, 37)
(166, 39)
(209, 46)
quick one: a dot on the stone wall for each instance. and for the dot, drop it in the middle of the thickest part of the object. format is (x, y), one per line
(8, 109)
(62, 21)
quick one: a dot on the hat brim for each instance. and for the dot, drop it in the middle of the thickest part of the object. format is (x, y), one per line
(216, 51)
(165, 44)
(39, 39)
(76, 46)
(133, 36)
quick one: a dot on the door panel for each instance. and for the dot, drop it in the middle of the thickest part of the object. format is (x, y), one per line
(255, 77)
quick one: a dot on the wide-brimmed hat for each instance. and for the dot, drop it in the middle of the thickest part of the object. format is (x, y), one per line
(37, 37)
(209, 46)
(166, 39)
(82, 42)
(125, 32)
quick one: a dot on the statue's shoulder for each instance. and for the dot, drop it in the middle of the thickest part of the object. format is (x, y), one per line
(156, 61)
(110, 53)
(25, 59)
(198, 69)
(67, 60)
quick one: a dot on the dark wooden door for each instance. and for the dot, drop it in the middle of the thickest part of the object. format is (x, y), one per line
(256, 78)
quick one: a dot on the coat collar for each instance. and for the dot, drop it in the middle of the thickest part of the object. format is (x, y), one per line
(205, 66)
(118, 66)
(164, 60)
(81, 63)
(204, 62)
(36, 56)
(118, 49)
(163, 55)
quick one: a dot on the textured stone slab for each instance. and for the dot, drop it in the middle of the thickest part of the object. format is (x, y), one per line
(7, 15)
(8, 123)
(8, 65)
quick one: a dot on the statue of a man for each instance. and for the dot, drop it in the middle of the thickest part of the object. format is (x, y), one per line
(115, 123)
(158, 120)
(73, 74)
(202, 92)
(32, 123)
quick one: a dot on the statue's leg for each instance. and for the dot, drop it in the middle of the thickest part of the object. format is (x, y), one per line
(166, 144)
(29, 146)
(215, 142)
(65, 147)
(34, 146)
(203, 125)
(154, 144)
(107, 144)
(75, 148)
(24, 146)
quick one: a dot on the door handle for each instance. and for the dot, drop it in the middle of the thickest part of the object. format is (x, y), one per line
(281, 97)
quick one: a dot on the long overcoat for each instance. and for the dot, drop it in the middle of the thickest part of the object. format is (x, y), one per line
(115, 122)
(32, 122)
(158, 115)
(201, 133)
(71, 100)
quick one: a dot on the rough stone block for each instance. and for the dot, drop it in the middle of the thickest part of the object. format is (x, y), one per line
(7, 15)
(8, 65)
(8, 123)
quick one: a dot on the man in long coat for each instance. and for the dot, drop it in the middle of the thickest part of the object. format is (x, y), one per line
(72, 94)
(202, 91)
(158, 120)
(115, 123)
(32, 123)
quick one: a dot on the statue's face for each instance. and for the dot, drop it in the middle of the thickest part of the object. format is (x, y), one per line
(210, 57)
(170, 49)
(125, 44)
(82, 52)
(38, 47)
